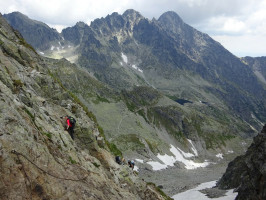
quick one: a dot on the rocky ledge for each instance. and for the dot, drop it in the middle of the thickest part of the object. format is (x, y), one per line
(247, 173)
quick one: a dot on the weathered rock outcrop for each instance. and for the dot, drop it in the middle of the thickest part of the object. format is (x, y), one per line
(258, 65)
(38, 159)
(247, 173)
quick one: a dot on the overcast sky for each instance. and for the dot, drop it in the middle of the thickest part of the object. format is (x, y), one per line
(239, 25)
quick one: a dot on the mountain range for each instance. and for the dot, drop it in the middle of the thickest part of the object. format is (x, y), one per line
(150, 83)
(166, 54)
(169, 75)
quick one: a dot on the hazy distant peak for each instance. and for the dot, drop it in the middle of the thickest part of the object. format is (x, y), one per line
(170, 16)
(132, 13)
(81, 24)
(17, 17)
(18, 14)
(114, 14)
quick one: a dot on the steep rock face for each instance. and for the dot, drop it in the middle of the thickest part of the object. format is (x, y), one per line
(258, 66)
(36, 33)
(74, 34)
(38, 158)
(247, 173)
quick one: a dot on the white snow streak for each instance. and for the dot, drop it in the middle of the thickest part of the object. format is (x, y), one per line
(124, 58)
(136, 68)
(194, 194)
(136, 168)
(193, 148)
(220, 155)
(139, 160)
(179, 156)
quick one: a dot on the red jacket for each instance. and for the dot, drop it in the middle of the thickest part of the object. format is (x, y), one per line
(68, 123)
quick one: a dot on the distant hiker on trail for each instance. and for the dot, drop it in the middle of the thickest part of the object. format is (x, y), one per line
(118, 160)
(70, 125)
(131, 164)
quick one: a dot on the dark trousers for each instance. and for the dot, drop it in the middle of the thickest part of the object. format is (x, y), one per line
(71, 132)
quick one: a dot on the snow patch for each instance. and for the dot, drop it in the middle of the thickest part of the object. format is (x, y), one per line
(220, 155)
(194, 193)
(230, 151)
(41, 52)
(139, 160)
(252, 128)
(168, 160)
(140, 70)
(136, 168)
(58, 48)
(52, 48)
(187, 155)
(193, 148)
(136, 68)
(179, 156)
(124, 57)
(189, 164)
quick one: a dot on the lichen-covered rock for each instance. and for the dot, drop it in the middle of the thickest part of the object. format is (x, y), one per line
(247, 173)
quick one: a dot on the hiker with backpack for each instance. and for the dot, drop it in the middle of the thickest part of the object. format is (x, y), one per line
(118, 160)
(70, 125)
(131, 164)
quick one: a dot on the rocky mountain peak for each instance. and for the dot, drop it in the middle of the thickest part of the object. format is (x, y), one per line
(74, 34)
(133, 17)
(39, 34)
(170, 17)
(81, 24)
(17, 17)
(18, 14)
(133, 14)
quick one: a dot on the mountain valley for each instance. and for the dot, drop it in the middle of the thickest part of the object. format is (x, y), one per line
(155, 91)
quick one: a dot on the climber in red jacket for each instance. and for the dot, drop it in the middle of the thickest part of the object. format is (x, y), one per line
(70, 125)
